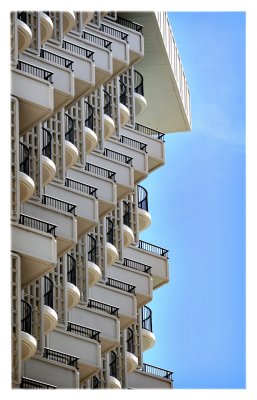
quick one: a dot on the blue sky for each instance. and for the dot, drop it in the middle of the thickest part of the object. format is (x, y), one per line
(197, 204)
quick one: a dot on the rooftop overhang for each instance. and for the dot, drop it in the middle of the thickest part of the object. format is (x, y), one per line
(165, 86)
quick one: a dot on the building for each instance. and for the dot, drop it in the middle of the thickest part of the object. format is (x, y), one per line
(93, 94)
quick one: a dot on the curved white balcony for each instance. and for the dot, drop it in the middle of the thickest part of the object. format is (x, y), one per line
(71, 154)
(69, 20)
(148, 339)
(112, 254)
(113, 383)
(91, 140)
(86, 17)
(128, 236)
(50, 319)
(132, 361)
(48, 170)
(24, 36)
(124, 115)
(144, 219)
(46, 27)
(28, 345)
(73, 295)
(94, 274)
(27, 187)
(109, 126)
(140, 103)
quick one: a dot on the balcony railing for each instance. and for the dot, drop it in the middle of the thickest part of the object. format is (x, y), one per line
(126, 214)
(121, 285)
(108, 30)
(49, 292)
(153, 249)
(95, 169)
(89, 113)
(107, 308)
(109, 231)
(69, 135)
(56, 59)
(97, 40)
(95, 382)
(113, 364)
(137, 266)
(146, 315)
(47, 143)
(26, 317)
(142, 197)
(123, 93)
(92, 249)
(107, 104)
(24, 158)
(133, 143)
(27, 383)
(130, 341)
(162, 373)
(81, 187)
(81, 51)
(71, 269)
(37, 224)
(83, 331)
(118, 156)
(149, 132)
(129, 24)
(35, 71)
(138, 83)
(63, 358)
(59, 204)
(23, 16)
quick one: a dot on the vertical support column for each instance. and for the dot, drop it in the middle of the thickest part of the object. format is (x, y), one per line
(128, 79)
(16, 320)
(80, 254)
(15, 187)
(13, 38)
(56, 125)
(77, 112)
(34, 24)
(59, 278)
(33, 139)
(57, 36)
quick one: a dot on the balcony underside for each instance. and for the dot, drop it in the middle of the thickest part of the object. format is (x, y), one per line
(27, 187)
(50, 319)
(24, 36)
(69, 21)
(28, 345)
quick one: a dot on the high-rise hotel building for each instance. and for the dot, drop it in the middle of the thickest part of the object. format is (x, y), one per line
(92, 96)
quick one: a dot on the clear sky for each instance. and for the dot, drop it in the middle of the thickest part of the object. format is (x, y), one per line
(197, 204)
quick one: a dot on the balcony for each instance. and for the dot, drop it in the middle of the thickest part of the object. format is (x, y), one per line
(24, 32)
(112, 252)
(55, 368)
(132, 360)
(71, 284)
(37, 103)
(109, 124)
(28, 342)
(103, 318)
(94, 272)
(124, 111)
(46, 27)
(81, 195)
(128, 235)
(144, 217)
(113, 382)
(68, 21)
(27, 185)
(125, 301)
(50, 316)
(148, 338)
(91, 137)
(27, 383)
(140, 101)
(150, 377)
(48, 166)
(71, 151)
(34, 241)
(154, 256)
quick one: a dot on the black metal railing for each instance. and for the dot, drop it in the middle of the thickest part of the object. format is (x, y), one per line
(71, 269)
(47, 143)
(123, 93)
(26, 317)
(142, 197)
(83, 331)
(97, 40)
(92, 249)
(58, 204)
(129, 24)
(23, 16)
(63, 358)
(89, 113)
(113, 32)
(35, 71)
(130, 341)
(37, 224)
(95, 169)
(162, 373)
(95, 382)
(69, 135)
(24, 158)
(81, 187)
(81, 51)
(126, 214)
(107, 104)
(121, 285)
(49, 292)
(113, 364)
(138, 83)
(109, 231)
(107, 308)
(153, 249)
(146, 315)
(56, 59)
(27, 383)
(149, 132)
(133, 143)
(137, 266)
(118, 156)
